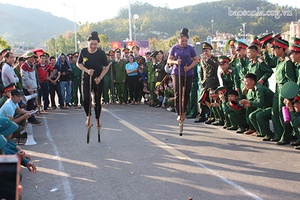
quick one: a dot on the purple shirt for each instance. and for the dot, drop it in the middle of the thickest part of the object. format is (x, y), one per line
(186, 55)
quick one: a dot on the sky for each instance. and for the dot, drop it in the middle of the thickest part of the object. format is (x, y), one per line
(95, 11)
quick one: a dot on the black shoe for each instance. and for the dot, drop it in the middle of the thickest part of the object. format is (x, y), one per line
(297, 143)
(296, 147)
(199, 120)
(240, 130)
(36, 122)
(275, 140)
(209, 121)
(267, 138)
(282, 142)
(232, 128)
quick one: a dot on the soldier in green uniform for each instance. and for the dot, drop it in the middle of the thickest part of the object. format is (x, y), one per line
(228, 74)
(208, 77)
(6, 93)
(257, 66)
(215, 107)
(233, 53)
(108, 78)
(152, 79)
(294, 55)
(259, 97)
(76, 82)
(293, 106)
(192, 106)
(241, 67)
(234, 113)
(17, 70)
(119, 78)
(285, 71)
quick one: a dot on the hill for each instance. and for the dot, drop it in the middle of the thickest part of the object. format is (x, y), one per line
(30, 26)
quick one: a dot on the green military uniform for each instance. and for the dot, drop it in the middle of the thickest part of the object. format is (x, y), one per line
(119, 77)
(235, 118)
(285, 71)
(18, 73)
(260, 69)
(260, 99)
(192, 106)
(218, 113)
(151, 82)
(76, 85)
(107, 83)
(169, 93)
(241, 70)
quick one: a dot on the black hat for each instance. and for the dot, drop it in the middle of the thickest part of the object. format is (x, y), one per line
(16, 93)
(154, 53)
(206, 45)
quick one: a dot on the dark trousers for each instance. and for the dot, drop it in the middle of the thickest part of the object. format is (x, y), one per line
(53, 89)
(31, 104)
(44, 92)
(186, 96)
(97, 91)
(133, 86)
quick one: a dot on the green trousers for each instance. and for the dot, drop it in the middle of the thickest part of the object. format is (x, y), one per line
(76, 86)
(262, 122)
(237, 118)
(121, 92)
(192, 106)
(106, 88)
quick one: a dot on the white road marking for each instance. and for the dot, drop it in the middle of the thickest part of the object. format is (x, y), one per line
(65, 181)
(182, 156)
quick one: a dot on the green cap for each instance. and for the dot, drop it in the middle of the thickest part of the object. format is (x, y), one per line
(206, 45)
(289, 90)
(220, 89)
(29, 54)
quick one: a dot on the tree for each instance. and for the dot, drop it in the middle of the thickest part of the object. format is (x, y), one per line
(195, 39)
(4, 44)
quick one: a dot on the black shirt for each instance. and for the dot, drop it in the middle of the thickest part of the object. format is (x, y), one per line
(94, 61)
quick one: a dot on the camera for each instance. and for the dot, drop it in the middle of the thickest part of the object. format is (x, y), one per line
(9, 177)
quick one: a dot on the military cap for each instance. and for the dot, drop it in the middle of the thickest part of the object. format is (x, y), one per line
(46, 54)
(279, 43)
(76, 54)
(4, 51)
(9, 87)
(295, 40)
(111, 52)
(141, 60)
(69, 55)
(265, 37)
(29, 54)
(277, 35)
(241, 45)
(296, 98)
(220, 89)
(294, 48)
(223, 59)
(135, 47)
(153, 54)
(165, 78)
(289, 90)
(117, 50)
(231, 42)
(126, 50)
(206, 45)
(235, 105)
(255, 41)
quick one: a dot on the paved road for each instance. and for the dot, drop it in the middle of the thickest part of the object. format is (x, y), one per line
(142, 157)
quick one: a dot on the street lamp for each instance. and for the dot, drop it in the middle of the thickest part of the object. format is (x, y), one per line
(135, 17)
(74, 21)
(129, 14)
(244, 31)
(212, 27)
